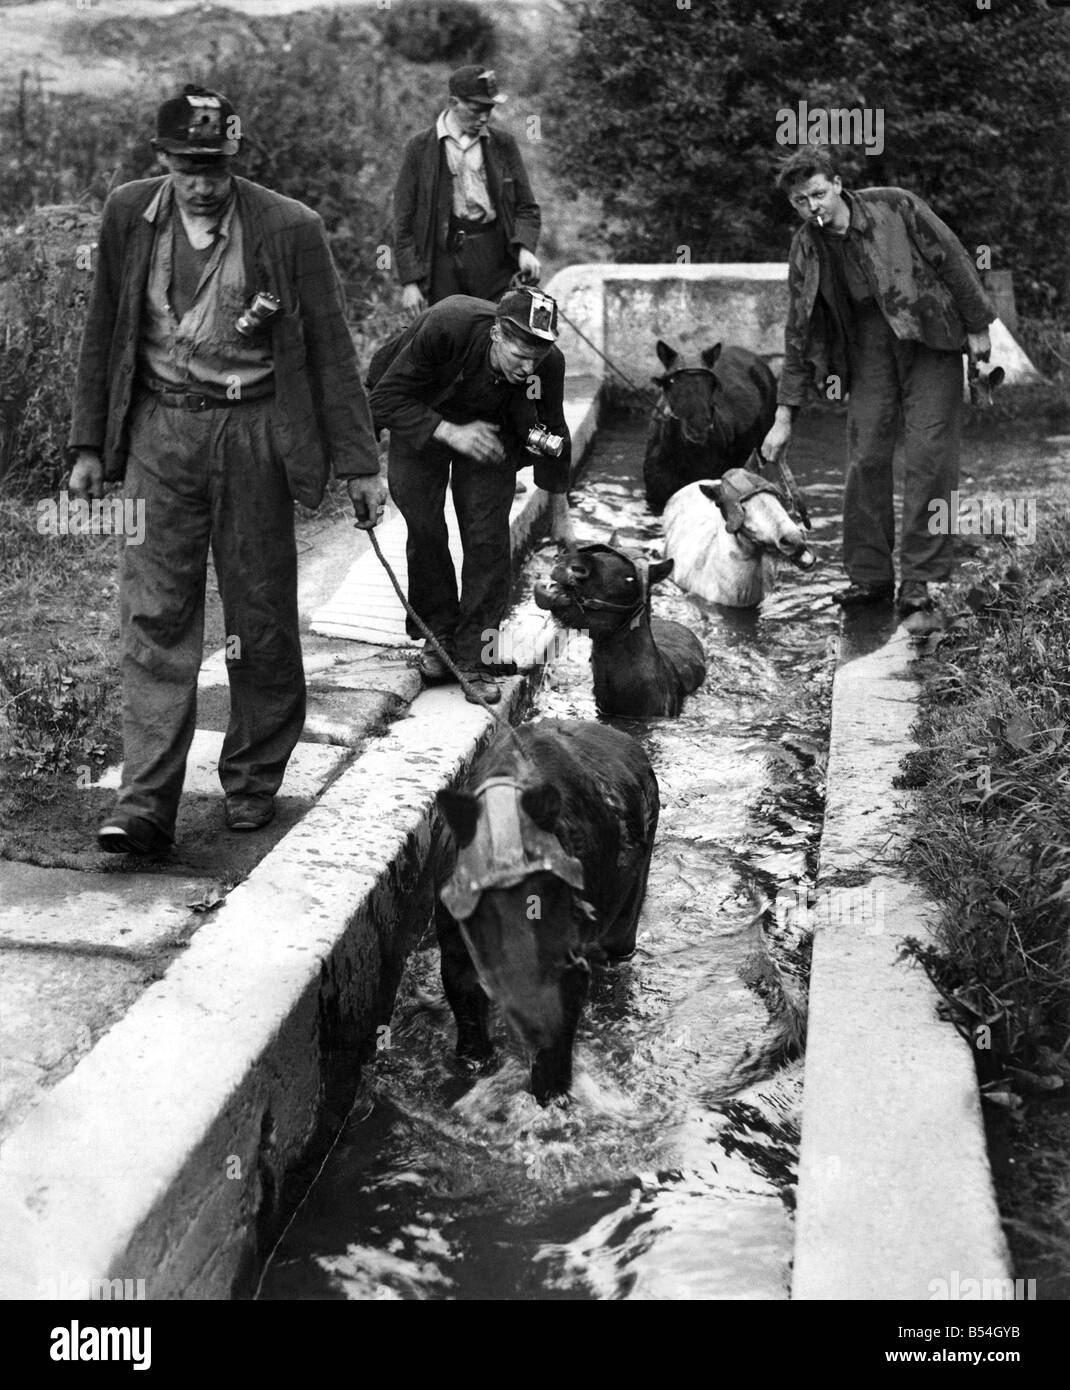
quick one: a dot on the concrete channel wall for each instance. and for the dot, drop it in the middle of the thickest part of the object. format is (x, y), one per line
(170, 1152)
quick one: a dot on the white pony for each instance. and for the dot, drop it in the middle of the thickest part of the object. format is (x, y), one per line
(725, 534)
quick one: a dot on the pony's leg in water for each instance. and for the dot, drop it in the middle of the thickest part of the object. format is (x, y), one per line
(619, 941)
(464, 993)
(551, 1070)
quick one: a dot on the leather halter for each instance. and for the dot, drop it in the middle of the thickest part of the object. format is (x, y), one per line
(507, 847)
(664, 409)
(633, 611)
(735, 518)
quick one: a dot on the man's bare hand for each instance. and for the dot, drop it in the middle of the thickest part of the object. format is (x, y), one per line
(412, 300)
(479, 440)
(776, 441)
(528, 266)
(368, 495)
(979, 346)
(87, 475)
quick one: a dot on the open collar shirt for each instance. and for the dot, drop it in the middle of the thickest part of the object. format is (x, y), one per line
(201, 350)
(464, 154)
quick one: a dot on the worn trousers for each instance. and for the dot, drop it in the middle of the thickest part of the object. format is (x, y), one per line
(890, 379)
(212, 479)
(482, 496)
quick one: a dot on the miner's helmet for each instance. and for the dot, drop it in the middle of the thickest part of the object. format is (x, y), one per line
(199, 123)
(530, 314)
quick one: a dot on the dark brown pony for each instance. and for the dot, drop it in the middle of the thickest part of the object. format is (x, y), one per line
(708, 420)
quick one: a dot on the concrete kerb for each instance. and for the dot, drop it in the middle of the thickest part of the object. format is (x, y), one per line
(895, 1192)
(162, 1155)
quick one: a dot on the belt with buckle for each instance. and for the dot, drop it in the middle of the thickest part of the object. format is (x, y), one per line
(199, 400)
(469, 231)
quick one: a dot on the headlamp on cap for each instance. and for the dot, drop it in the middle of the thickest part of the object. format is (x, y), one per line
(197, 123)
(533, 312)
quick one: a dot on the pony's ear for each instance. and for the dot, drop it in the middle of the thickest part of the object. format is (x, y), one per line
(710, 355)
(659, 380)
(666, 355)
(542, 804)
(659, 570)
(712, 491)
(462, 815)
(614, 541)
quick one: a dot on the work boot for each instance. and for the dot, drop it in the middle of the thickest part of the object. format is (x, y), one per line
(859, 592)
(431, 666)
(249, 812)
(478, 683)
(122, 833)
(914, 597)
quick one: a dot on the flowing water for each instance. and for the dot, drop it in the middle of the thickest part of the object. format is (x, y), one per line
(670, 1173)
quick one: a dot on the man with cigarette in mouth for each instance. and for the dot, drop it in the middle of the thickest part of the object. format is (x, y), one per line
(217, 377)
(883, 301)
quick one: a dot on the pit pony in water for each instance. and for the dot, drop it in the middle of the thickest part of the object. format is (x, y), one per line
(726, 535)
(545, 867)
(642, 665)
(715, 409)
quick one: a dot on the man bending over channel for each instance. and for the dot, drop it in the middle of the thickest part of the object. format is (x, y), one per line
(470, 392)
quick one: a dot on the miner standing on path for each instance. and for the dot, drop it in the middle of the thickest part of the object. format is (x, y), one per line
(883, 301)
(465, 218)
(217, 374)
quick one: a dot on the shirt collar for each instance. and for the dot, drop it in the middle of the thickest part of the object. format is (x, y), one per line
(446, 127)
(162, 204)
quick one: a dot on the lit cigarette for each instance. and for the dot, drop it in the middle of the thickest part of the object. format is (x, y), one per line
(819, 219)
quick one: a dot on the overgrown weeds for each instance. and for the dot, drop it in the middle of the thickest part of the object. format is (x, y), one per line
(53, 719)
(993, 832)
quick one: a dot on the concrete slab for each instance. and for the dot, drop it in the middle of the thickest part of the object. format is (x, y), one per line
(308, 769)
(128, 913)
(895, 1191)
(53, 1007)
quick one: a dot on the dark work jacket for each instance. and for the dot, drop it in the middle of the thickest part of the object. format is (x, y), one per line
(441, 347)
(318, 390)
(924, 281)
(423, 197)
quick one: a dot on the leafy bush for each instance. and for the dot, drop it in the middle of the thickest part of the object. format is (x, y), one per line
(670, 115)
(430, 31)
(326, 114)
(53, 718)
(43, 299)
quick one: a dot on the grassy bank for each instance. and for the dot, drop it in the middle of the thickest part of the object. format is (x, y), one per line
(992, 843)
(58, 677)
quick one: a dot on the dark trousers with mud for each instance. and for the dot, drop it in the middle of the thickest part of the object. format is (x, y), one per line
(893, 379)
(212, 480)
(482, 497)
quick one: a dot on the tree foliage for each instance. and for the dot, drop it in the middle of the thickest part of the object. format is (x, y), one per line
(669, 114)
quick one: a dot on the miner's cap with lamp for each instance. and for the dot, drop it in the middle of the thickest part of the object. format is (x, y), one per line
(530, 315)
(199, 124)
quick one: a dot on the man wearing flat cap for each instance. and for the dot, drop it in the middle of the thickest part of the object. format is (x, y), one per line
(465, 218)
(218, 378)
(471, 392)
